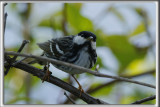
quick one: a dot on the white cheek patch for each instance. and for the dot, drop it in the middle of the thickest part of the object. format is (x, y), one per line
(79, 40)
(93, 44)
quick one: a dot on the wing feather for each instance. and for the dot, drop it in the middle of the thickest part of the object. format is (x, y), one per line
(56, 48)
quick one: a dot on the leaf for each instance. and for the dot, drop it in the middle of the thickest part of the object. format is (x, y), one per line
(76, 21)
(141, 12)
(138, 66)
(53, 21)
(139, 29)
(45, 23)
(56, 20)
(77, 5)
(137, 95)
(102, 91)
(35, 81)
(13, 6)
(124, 51)
(25, 14)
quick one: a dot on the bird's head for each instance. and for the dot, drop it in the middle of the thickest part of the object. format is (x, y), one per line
(85, 36)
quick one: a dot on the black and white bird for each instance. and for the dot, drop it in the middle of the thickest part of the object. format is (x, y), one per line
(79, 50)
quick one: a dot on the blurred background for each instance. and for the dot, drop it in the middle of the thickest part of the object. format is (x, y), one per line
(126, 34)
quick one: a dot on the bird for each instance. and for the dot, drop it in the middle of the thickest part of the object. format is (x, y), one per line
(79, 49)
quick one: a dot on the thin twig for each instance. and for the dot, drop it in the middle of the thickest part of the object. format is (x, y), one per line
(79, 68)
(92, 90)
(15, 57)
(5, 4)
(144, 100)
(5, 19)
(64, 20)
(69, 98)
(7, 70)
(114, 81)
(20, 49)
(4, 27)
(56, 81)
(19, 61)
(7, 65)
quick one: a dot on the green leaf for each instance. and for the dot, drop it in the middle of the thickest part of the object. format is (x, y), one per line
(26, 13)
(138, 66)
(137, 95)
(56, 20)
(13, 6)
(76, 20)
(124, 51)
(102, 91)
(141, 12)
(45, 23)
(53, 21)
(139, 29)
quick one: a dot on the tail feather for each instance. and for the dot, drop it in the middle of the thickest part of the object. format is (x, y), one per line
(45, 46)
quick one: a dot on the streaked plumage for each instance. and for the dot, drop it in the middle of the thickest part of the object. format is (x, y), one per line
(79, 50)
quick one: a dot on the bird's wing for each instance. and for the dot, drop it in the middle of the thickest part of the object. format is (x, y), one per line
(56, 48)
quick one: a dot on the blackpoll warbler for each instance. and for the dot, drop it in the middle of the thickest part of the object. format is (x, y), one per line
(79, 50)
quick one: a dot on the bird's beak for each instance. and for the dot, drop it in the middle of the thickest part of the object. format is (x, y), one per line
(90, 39)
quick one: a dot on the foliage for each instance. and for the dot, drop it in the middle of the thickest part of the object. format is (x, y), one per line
(70, 20)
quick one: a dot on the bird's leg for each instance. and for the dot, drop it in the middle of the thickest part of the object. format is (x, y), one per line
(47, 74)
(80, 87)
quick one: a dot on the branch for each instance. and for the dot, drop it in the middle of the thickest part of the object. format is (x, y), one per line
(114, 81)
(92, 90)
(54, 80)
(69, 98)
(20, 49)
(15, 57)
(144, 100)
(64, 19)
(5, 18)
(5, 4)
(4, 26)
(79, 68)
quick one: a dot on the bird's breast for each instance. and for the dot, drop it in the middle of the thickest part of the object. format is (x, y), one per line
(83, 58)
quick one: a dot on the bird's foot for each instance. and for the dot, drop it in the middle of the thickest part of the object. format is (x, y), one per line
(47, 74)
(81, 90)
(80, 87)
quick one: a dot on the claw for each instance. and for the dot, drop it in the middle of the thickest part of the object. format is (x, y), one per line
(80, 87)
(47, 74)
(81, 90)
